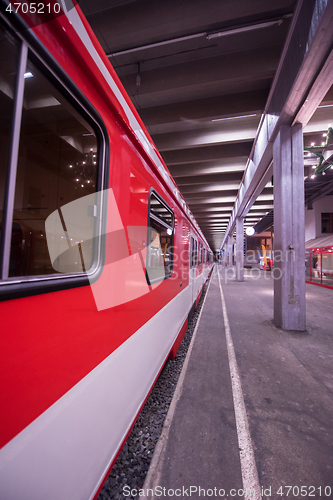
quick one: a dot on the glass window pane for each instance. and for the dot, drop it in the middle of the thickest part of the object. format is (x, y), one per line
(159, 210)
(9, 55)
(195, 258)
(56, 166)
(160, 241)
(159, 265)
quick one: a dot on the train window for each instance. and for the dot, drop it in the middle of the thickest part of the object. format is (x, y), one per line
(193, 252)
(160, 240)
(55, 165)
(204, 256)
(200, 254)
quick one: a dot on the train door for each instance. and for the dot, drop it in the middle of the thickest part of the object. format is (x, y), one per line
(193, 265)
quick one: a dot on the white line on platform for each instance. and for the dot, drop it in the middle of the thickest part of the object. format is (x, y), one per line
(250, 477)
(155, 468)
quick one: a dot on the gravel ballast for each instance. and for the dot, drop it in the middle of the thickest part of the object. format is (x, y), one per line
(133, 462)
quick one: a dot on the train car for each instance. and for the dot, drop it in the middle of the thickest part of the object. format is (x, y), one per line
(101, 259)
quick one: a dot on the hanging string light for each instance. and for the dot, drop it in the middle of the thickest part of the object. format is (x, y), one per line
(84, 172)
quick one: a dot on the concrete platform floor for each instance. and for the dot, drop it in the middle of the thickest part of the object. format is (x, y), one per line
(286, 385)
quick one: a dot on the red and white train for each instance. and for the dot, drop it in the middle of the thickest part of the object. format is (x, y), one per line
(101, 259)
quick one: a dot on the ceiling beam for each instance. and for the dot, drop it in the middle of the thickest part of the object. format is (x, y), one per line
(220, 132)
(234, 104)
(208, 168)
(201, 180)
(215, 153)
(213, 75)
(141, 23)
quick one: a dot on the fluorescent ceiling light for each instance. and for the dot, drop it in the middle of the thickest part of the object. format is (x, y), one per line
(28, 74)
(234, 31)
(231, 118)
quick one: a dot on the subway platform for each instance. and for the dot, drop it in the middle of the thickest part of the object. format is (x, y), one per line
(252, 415)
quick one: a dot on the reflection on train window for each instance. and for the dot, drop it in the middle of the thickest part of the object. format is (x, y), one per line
(9, 54)
(56, 165)
(160, 240)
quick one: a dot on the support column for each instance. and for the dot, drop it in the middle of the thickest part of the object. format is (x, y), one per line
(240, 249)
(226, 256)
(289, 239)
(230, 250)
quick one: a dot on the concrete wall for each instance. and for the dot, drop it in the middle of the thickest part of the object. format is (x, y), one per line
(313, 217)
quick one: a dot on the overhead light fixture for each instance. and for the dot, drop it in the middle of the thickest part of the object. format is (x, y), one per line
(242, 29)
(250, 231)
(208, 36)
(154, 45)
(28, 74)
(231, 118)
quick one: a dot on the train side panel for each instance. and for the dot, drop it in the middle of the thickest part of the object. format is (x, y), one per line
(78, 363)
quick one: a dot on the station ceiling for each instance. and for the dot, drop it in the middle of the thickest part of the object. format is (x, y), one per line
(199, 73)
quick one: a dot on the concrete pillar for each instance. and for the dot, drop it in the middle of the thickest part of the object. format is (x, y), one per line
(230, 250)
(240, 249)
(289, 239)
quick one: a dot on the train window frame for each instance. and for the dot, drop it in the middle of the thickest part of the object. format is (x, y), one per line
(160, 221)
(193, 252)
(200, 261)
(20, 286)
